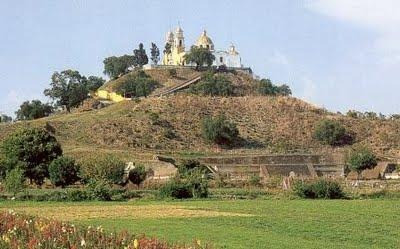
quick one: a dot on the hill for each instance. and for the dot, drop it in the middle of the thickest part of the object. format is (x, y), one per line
(172, 124)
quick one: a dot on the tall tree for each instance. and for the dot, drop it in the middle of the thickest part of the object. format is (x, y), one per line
(114, 66)
(33, 110)
(68, 89)
(155, 54)
(140, 57)
(167, 48)
(5, 119)
(94, 83)
(200, 56)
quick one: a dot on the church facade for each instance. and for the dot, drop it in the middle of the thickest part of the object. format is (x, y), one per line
(174, 55)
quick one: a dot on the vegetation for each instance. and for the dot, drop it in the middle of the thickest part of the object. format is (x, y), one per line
(5, 119)
(155, 54)
(115, 67)
(108, 168)
(139, 57)
(14, 181)
(321, 189)
(265, 87)
(43, 233)
(69, 88)
(219, 130)
(213, 85)
(199, 56)
(361, 158)
(172, 72)
(33, 110)
(63, 171)
(137, 85)
(332, 133)
(138, 174)
(32, 150)
(176, 188)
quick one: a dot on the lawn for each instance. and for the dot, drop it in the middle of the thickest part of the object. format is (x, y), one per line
(240, 223)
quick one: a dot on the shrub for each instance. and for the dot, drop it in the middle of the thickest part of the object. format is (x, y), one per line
(31, 149)
(213, 85)
(14, 181)
(198, 184)
(63, 171)
(321, 189)
(138, 174)
(361, 158)
(187, 166)
(172, 72)
(176, 189)
(265, 87)
(219, 130)
(77, 195)
(255, 180)
(105, 167)
(137, 85)
(99, 190)
(332, 133)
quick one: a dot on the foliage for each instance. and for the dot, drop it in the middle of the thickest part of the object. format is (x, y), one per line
(63, 171)
(321, 189)
(31, 149)
(137, 85)
(265, 87)
(332, 133)
(44, 233)
(104, 167)
(187, 166)
(33, 110)
(68, 89)
(115, 66)
(139, 57)
(200, 56)
(172, 72)
(176, 188)
(138, 174)
(167, 48)
(155, 54)
(219, 130)
(198, 183)
(255, 180)
(213, 85)
(94, 83)
(5, 119)
(14, 181)
(361, 158)
(99, 190)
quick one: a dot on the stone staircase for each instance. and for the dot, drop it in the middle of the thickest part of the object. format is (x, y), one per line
(178, 87)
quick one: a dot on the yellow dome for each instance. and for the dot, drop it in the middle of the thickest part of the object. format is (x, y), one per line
(204, 41)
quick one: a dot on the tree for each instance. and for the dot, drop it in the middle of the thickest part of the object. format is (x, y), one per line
(167, 48)
(33, 110)
(360, 159)
(212, 85)
(266, 87)
(94, 83)
(63, 171)
(155, 54)
(139, 57)
(105, 167)
(138, 174)
(14, 181)
(5, 119)
(68, 89)
(200, 56)
(137, 85)
(219, 130)
(32, 150)
(114, 66)
(332, 133)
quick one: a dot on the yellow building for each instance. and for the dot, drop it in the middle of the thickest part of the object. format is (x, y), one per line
(177, 52)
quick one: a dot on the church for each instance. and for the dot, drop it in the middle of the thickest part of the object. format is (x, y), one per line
(174, 56)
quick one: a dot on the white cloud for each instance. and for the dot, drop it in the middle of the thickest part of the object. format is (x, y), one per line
(379, 16)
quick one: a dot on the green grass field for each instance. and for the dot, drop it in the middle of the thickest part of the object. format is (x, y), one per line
(240, 223)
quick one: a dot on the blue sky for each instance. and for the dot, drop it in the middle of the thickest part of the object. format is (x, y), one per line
(337, 54)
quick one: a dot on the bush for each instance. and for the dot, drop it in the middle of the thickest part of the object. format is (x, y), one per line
(360, 159)
(77, 195)
(219, 130)
(198, 184)
(176, 189)
(99, 190)
(332, 133)
(187, 166)
(321, 189)
(213, 85)
(172, 72)
(31, 149)
(265, 87)
(106, 167)
(137, 85)
(14, 181)
(137, 175)
(255, 180)
(63, 171)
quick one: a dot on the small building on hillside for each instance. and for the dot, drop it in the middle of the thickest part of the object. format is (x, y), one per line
(174, 55)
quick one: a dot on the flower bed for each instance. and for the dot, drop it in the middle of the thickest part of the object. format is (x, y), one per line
(20, 231)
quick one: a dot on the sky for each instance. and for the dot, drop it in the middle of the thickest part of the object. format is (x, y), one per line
(336, 54)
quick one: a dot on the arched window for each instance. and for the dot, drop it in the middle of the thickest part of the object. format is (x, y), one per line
(221, 59)
(208, 46)
(180, 43)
